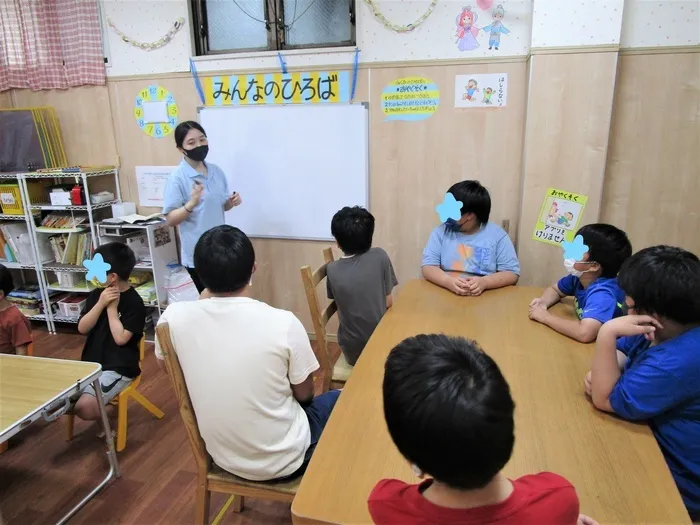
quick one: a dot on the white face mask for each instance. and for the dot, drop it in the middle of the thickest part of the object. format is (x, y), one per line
(571, 270)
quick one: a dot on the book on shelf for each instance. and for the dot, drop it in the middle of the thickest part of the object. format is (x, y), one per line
(63, 221)
(71, 248)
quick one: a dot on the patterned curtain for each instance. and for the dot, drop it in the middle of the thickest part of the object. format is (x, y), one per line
(50, 44)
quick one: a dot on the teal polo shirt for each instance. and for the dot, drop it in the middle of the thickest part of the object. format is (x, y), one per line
(206, 215)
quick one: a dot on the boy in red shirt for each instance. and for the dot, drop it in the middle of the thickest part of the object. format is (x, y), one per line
(15, 328)
(450, 414)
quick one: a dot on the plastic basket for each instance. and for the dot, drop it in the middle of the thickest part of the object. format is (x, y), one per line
(11, 199)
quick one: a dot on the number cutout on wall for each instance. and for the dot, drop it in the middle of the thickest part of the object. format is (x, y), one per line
(156, 111)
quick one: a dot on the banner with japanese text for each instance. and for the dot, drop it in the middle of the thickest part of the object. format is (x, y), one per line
(277, 88)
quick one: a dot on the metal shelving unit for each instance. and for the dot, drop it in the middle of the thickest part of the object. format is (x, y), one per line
(33, 212)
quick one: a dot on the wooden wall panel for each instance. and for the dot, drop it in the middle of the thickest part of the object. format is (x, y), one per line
(652, 185)
(566, 137)
(85, 118)
(414, 163)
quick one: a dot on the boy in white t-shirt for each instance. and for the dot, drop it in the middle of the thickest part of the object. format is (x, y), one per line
(248, 367)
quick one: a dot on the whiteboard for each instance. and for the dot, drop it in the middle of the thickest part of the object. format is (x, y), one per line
(294, 166)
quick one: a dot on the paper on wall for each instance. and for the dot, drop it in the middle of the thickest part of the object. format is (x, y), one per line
(481, 90)
(559, 216)
(151, 182)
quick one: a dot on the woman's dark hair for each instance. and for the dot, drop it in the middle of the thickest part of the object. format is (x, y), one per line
(449, 409)
(183, 128)
(474, 198)
(224, 258)
(607, 245)
(665, 281)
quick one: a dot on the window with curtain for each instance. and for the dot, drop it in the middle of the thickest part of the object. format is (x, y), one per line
(50, 44)
(229, 26)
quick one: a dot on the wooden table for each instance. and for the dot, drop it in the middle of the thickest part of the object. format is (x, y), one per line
(33, 388)
(617, 468)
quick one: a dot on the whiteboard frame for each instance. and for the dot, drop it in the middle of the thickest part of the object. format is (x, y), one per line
(367, 164)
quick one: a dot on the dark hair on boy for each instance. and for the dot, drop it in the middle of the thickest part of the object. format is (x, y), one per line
(6, 282)
(353, 229)
(607, 245)
(665, 281)
(474, 197)
(449, 409)
(183, 128)
(224, 258)
(120, 257)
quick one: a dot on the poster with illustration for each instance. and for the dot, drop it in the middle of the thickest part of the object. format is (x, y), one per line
(481, 91)
(559, 216)
(469, 33)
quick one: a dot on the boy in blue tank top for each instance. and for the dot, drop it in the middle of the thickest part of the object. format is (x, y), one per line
(592, 282)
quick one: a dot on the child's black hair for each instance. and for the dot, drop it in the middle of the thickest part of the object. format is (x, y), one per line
(353, 229)
(607, 245)
(224, 259)
(665, 281)
(449, 409)
(183, 128)
(474, 198)
(120, 257)
(6, 282)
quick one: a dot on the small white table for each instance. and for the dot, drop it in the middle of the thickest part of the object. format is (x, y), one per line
(33, 388)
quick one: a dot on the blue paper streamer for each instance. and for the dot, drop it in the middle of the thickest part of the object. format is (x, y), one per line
(283, 64)
(197, 83)
(355, 67)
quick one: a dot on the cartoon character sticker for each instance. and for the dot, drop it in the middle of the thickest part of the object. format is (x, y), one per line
(488, 93)
(471, 88)
(467, 30)
(496, 28)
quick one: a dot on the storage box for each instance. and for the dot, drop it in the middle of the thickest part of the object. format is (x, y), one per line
(72, 305)
(123, 209)
(71, 279)
(11, 199)
(60, 198)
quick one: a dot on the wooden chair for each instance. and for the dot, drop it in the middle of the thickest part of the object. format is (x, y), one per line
(334, 374)
(212, 478)
(122, 403)
(30, 349)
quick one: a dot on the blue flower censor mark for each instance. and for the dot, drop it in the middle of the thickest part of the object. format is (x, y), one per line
(450, 208)
(97, 268)
(574, 250)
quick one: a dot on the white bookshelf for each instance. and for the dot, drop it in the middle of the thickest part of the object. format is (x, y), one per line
(45, 264)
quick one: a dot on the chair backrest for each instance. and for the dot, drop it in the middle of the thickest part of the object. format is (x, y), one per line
(320, 317)
(177, 379)
(142, 348)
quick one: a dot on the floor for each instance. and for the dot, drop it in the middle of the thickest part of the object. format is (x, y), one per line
(42, 476)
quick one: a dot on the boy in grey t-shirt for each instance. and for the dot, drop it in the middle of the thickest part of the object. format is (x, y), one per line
(360, 282)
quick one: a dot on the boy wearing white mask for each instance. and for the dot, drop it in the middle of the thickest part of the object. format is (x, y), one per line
(592, 282)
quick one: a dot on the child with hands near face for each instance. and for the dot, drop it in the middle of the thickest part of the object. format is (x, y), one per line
(113, 320)
(592, 281)
(646, 366)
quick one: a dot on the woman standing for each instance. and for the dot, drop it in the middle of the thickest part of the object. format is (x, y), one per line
(197, 193)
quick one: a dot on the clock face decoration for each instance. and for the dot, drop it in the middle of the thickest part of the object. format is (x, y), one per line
(156, 111)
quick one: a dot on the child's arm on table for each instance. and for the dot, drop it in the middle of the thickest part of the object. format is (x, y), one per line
(549, 297)
(454, 283)
(605, 370)
(21, 349)
(583, 331)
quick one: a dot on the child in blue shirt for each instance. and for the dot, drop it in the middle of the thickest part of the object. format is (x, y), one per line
(591, 281)
(646, 366)
(470, 255)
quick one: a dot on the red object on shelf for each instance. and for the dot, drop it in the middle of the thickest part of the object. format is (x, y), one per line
(76, 195)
